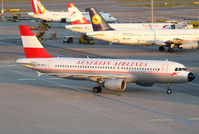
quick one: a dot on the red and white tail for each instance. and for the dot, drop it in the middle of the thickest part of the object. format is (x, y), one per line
(37, 7)
(32, 47)
(76, 15)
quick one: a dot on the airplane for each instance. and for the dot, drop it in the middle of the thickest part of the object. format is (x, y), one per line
(82, 25)
(40, 12)
(172, 38)
(111, 74)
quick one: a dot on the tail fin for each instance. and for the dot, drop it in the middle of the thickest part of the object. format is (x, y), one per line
(37, 7)
(32, 46)
(76, 15)
(98, 23)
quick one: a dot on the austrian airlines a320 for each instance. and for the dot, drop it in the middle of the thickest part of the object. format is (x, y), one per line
(112, 74)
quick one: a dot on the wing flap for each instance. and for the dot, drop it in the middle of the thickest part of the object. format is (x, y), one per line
(92, 77)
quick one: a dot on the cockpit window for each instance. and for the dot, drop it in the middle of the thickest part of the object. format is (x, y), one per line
(180, 69)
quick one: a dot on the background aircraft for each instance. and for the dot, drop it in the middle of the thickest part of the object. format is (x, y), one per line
(172, 38)
(81, 24)
(109, 73)
(40, 12)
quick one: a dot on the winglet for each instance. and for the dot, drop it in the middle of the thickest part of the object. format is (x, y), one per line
(32, 47)
(98, 23)
(76, 15)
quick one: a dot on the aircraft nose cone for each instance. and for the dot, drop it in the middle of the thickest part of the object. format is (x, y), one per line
(191, 76)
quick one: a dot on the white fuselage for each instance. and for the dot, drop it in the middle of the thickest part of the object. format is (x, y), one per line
(136, 71)
(147, 36)
(60, 16)
(82, 28)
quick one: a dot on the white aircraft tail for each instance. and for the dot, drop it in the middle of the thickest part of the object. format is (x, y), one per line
(76, 15)
(37, 7)
(32, 47)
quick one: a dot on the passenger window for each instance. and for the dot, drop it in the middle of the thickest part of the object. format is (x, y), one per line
(176, 69)
(180, 69)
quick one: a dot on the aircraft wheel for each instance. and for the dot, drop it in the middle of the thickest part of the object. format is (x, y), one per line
(97, 89)
(161, 48)
(169, 91)
(171, 50)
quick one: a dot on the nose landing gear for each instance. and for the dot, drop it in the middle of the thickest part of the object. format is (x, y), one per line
(169, 91)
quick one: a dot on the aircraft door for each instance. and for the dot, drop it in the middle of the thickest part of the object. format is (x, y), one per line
(48, 63)
(165, 68)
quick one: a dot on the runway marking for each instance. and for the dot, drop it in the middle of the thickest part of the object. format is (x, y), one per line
(9, 43)
(21, 46)
(54, 78)
(43, 79)
(27, 79)
(8, 65)
(84, 96)
(170, 119)
(150, 110)
(193, 84)
(161, 120)
(193, 119)
(109, 99)
(93, 95)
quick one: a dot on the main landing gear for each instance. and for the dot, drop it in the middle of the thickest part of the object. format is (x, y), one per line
(161, 48)
(169, 91)
(97, 89)
(170, 49)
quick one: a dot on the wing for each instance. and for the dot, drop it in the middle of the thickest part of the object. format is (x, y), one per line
(92, 77)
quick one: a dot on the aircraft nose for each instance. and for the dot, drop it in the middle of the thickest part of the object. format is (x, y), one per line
(191, 76)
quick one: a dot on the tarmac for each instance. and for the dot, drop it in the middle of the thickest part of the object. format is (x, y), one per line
(118, 10)
(51, 105)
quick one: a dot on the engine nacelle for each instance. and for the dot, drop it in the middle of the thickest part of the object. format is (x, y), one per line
(189, 45)
(115, 84)
(145, 84)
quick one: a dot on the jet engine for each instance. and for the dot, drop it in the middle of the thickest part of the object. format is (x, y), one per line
(189, 45)
(115, 84)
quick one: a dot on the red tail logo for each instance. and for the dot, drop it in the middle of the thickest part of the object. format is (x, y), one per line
(32, 46)
(76, 15)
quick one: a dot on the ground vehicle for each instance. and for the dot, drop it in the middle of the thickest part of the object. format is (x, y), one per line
(84, 39)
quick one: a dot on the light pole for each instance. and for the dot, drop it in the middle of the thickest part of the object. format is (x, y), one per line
(2, 10)
(197, 3)
(151, 11)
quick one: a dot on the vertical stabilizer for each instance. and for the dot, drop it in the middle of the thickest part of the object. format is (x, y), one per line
(98, 23)
(37, 7)
(32, 47)
(76, 16)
